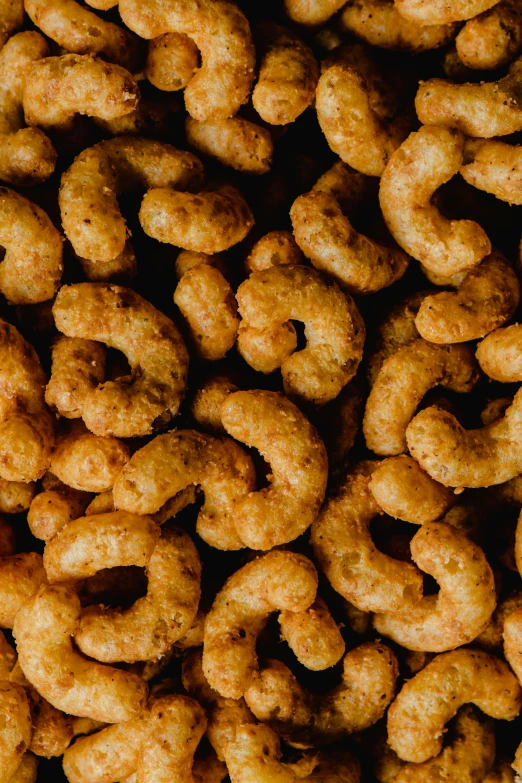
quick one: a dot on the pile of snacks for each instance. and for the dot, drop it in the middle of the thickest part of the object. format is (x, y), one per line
(260, 413)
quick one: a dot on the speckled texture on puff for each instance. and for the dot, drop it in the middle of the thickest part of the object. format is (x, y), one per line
(495, 167)
(440, 11)
(235, 142)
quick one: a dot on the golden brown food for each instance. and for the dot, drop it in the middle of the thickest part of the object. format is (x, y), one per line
(16, 729)
(11, 19)
(492, 38)
(172, 60)
(491, 638)
(20, 577)
(495, 167)
(78, 366)
(512, 634)
(234, 142)
(207, 402)
(340, 421)
(311, 14)
(440, 11)
(500, 355)
(313, 635)
(54, 508)
(352, 189)
(277, 248)
(15, 496)
(27, 771)
(187, 259)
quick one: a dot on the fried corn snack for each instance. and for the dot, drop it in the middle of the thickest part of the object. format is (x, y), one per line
(16, 732)
(311, 14)
(207, 402)
(20, 577)
(234, 142)
(499, 354)
(172, 60)
(492, 38)
(495, 167)
(78, 366)
(277, 248)
(313, 635)
(15, 496)
(54, 508)
(442, 12)
(11, 19)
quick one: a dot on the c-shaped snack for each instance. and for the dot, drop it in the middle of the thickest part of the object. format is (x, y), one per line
(277, 248)
(269, 300)
(78, 365)
(134, 404)
(172, 60)
(55, 507)
(304, 719)
(425, 161)
(326, 236)
(417, 717)
(43, 630)
(222, 34)
(493, 38)
(495, 167)
(345, 551)
(442, 12)
(500, 354)
(27, 157)
(207, 402)
(402, 382)
(313, 635)
(90, 187)
(276, 581)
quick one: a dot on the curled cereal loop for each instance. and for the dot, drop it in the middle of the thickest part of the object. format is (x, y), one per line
(442, 12)
(20, 577)
(346, 553)
(311, 14)
(86, 461)
(207, 402)
(417, 717)
(270, 423)
(78, 367)
(11, 19)
(486, 298)
(43, 630)
(493, 38)
(16, 728)
(326, 236)
(27, 156)
(278, 580)
(495, 167)
(222, 34)
(208, 222)
(235, 142)
(132, 405)
(500, 356)
(32, 266)
(268, 302)
(181, 458)
(402, 382)
(277, 248)
(288, 75)
(313, 635)
(424, 162)
(79, 31)
(89, 189)
(172, 60)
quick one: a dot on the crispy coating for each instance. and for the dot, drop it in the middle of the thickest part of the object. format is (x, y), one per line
(187, 259)
(493, 38)
(172, 60)
(311, 13)
(417, 717)
(485, 299)
(495, 167)
(221, 33)
(346, 553)
(501, 772)
(424, 162)
(16, 729)
(79, 31)
(442, 12)
(500, 354)
(20, 577)
(53, 509)
(351, 188)
(208, 222)
(207, 402)
(235, 142)
(11, 19)
(313, 635)
(181, 458)
(277, 248)
(513, 640)
(78, 368)
(27, 156)
(288, 75)
(52, 730)
(463, 606)
(270, 423)
(15, 496)
(276, 581)
(379, 23)
(89, 189)
(27, 771)
(120, 318)
(43, 631)
(209, 307)
(491, 638)
(326, 236)
(269, 300)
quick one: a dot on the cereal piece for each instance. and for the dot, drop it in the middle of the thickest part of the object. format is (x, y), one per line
(20, 577)
(16, 729)
(89, 190)
(78, 30)
(181, 458)
(43, 631)
(493, 38)
(52, 730)
(312, 14)
(404, 491)
(288, 75)
(499, 354)
(153, 116)
(270, 423)
(277, 248)
(209, 307)
(491, 638)
(379, 23)
(417, 717)
(268, 302)
(207, 402)
(54, 508)
(235, 142)
(222, 34)
(501, 772)
(27, 156)
(276, 581)
(424, 162)
(78, 368)
(11, 19)
(15, 496)
(188, 259)
(120, 318)
(463, 606)
(495, 167)
(313, 635)
(440, 11)
(172, 60)
(346, 553)
(326, 236)
(486, 299)
(208, 222)
(27, 771)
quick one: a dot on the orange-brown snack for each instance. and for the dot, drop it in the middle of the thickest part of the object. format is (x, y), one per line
(276, 581)
(26, 425)
(501, 772)
(282, 511)
(499, 354)
(78, 366)
(27, 771)
(512, 634)
(442, 12)
(277, 248)
(326, 236)
(340, 420)
(209, 307)
(55, 507)
(181, 458)
(222, 34)
(269, 300)
(11, 19)
(495, 167)
(425, 161)
(131, 405)
(207, 402)
(352, 189)
(43, 631)
(313, 635)
(234, 142)
(288, 75)
(153, 117)
(20, 578)
(403, 380)
(345, 551)
(15, 496)
(90, 187)
(207, 222)
(305, 719)
(27, 156)
(312, 14)
(491, 638)
(463, 606)
(417, 717)
(172, 60)
(493, 38)
(486, 298)
(16, 729)
(78, 30)
(187, 259)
